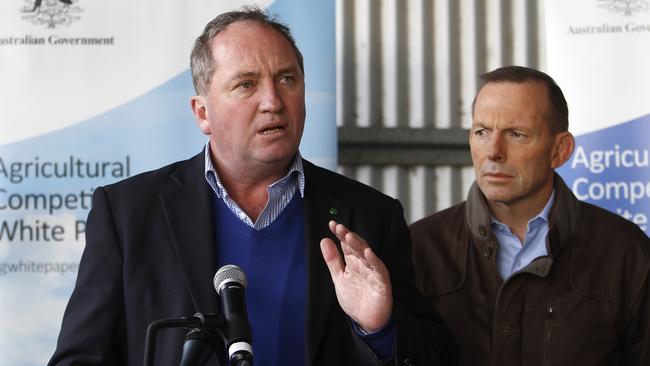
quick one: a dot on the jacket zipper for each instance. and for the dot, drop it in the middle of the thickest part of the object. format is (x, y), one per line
(549, 333)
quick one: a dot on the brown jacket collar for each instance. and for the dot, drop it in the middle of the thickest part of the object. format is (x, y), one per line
(562, 218)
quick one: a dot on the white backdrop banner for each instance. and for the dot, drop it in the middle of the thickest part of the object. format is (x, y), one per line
(598, 53)
(92, 92)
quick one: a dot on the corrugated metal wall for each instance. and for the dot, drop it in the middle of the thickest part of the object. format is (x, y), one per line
(414, 64)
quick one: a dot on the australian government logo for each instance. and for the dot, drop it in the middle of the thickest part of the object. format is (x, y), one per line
(52, 15)
(626, 17)
(625, 7)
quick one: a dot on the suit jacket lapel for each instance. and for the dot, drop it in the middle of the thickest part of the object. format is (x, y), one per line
(188, 210)
(320, 206)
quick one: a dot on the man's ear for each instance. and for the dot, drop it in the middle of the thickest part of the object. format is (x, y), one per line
(198, 104)
(563, 144)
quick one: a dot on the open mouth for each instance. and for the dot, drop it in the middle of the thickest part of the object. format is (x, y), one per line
(271, 130)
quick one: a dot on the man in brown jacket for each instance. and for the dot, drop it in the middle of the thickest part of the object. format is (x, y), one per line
(522, 272)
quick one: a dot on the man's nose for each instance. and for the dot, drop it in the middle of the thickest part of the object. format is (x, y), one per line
(496, 149)
(270, 100)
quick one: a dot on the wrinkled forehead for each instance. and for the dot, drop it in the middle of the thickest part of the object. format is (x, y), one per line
(526, 98)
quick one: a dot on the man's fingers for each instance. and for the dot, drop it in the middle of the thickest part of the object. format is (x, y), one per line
(347, 250)
(355, 250)
(373, 260)
(338, 229)
(355, 244)
(332, 257)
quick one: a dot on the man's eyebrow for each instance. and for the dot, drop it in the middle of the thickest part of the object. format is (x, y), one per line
(253, 74)
(244, 75)
(287, 70)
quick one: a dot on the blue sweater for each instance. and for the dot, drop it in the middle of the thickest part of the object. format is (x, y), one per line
(274, 262)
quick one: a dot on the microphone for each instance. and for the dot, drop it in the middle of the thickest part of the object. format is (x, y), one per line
(230, 282)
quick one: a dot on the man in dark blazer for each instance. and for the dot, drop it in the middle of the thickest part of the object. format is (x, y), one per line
(155, 240)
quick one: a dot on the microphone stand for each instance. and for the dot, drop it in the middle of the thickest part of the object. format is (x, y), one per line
(204, 326)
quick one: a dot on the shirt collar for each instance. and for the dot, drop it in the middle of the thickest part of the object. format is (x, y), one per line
(540, 218)
(295, 167)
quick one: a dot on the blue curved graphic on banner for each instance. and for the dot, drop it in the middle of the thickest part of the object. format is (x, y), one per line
(611, 168)
(65, 166)
(158, 127)
(312, 24)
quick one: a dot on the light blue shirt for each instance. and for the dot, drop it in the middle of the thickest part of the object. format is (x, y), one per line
(280, 192)
(513, 255)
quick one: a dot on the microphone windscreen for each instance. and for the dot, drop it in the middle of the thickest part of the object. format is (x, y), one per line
(229, 273)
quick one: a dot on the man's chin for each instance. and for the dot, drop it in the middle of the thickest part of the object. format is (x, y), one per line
(277, 157)
(497, 194)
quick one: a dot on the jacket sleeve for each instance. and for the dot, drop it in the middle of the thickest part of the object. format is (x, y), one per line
(93, 332)
(421, 336)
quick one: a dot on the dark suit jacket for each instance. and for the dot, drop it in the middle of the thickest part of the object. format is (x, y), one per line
(150, 254)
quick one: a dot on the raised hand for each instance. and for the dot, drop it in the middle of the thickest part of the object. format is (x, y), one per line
(360, 278)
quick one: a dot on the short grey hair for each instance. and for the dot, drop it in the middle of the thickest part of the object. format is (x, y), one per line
(201, 63)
